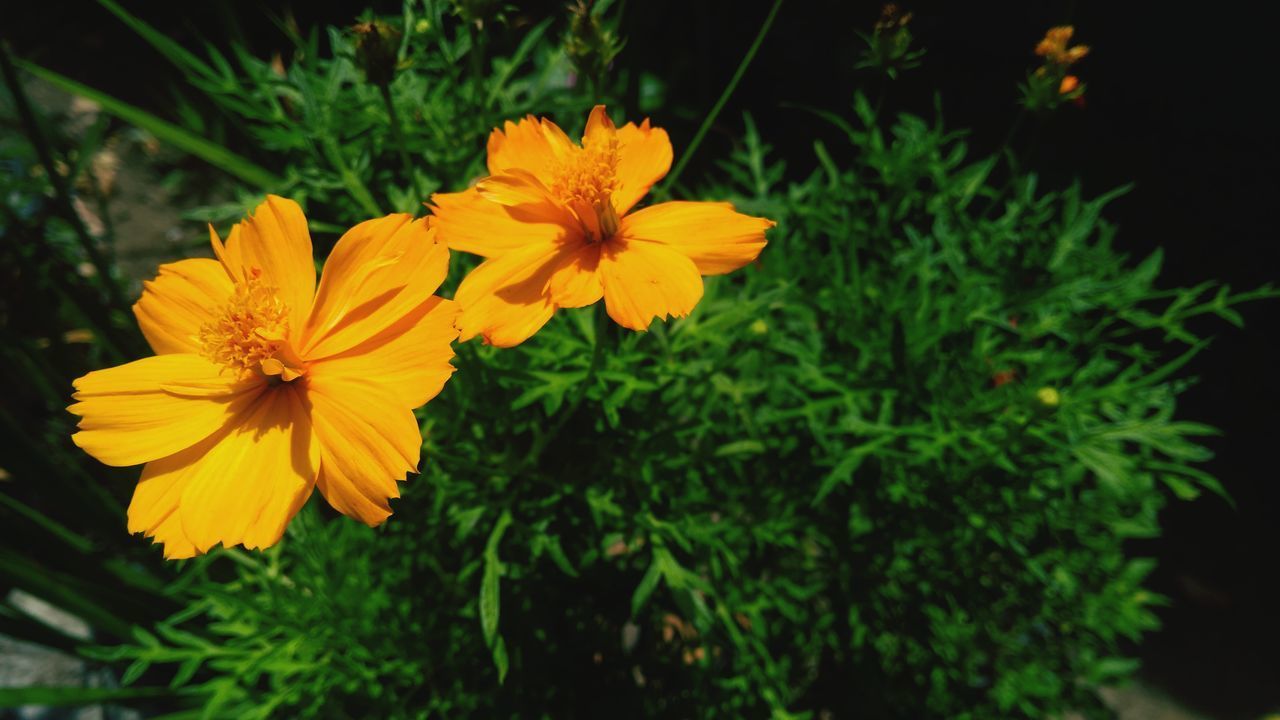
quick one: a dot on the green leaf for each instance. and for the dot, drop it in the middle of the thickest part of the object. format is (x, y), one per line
(1200, 477)
(75, 696)
(490, 601)
(551, 543)
(500, 659)
(134, 671)
(647, 585)
(740, 447)
(165, 131)
(843, 472)
(76, 595)
(531, 38)
(176, 53)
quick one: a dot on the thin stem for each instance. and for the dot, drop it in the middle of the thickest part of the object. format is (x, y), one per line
(724, 98)
(602, 329)
(85, 298)
(475, 57)
(397, 134)
(350, 180)
(61, 193)
(1005, 151)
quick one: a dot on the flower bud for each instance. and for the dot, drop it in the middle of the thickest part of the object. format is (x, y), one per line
(590, 45)
(1049, 397)
(377, 44)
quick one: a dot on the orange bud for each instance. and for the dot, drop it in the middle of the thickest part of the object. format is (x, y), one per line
(1076, 54)
(1069, 84)
(1055, 41)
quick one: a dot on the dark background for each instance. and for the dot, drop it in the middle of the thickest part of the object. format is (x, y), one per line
(1175, 103)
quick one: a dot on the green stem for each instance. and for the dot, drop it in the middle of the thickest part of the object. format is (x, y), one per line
(602, 329)
(117, 345)
(475, 57)
(60, 190)
(724, 98)
(1005, 152)
(354, 185)
(397, 134)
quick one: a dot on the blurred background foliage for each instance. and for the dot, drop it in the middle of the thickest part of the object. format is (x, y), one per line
(902, 467)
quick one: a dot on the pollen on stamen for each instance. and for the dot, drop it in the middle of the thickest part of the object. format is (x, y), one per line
(585, 181)
(588, 174)
(248, 329)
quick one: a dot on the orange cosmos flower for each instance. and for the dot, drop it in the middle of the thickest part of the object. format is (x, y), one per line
(553, 219)
(1054, 46)
(265, 386)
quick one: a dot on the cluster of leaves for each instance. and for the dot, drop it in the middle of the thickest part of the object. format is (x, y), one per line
(889, 470)
(363, 120)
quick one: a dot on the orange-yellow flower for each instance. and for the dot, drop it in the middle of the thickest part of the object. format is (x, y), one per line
(1068, 85)
(265, 386)
(554, 220)
(1054, 46)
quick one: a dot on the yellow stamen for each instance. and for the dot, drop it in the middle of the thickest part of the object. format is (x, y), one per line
(251, 333)
(585, 181)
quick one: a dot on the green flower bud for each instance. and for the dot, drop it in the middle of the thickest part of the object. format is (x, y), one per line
(1048, 397)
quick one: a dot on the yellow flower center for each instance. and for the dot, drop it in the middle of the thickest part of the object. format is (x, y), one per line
(585, 181)
(250, 334)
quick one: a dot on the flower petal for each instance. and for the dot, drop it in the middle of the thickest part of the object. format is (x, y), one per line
(575, 281)
(507, 324)
(368, 438)
(716, 237)
(183, 298)
(469, 222)
(505, 298)
(240, 486)
(644, 280)
(379, 271)
(532, 144)
(275, 240)
(644, 158)
(523, 192)
(360, 252)
(412, 355)
(170, 536)
(600, 128)
(156, 406)
(514, 187)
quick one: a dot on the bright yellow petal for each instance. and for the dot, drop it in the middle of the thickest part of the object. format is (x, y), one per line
(600, 129)
(183, 298)
(528, 198)
(156, 406)
(644, 158)
(514, 187)
(506, 324)
(249, 483)
(368, 439)
(380, 271)
(531, 144)
(411, 356)
(575, 281)
(468, 222)
(505, 298)
(361, 252)
(240, 486)
(275, 240)
(644, 280)
(171, 538)
(714, 236)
